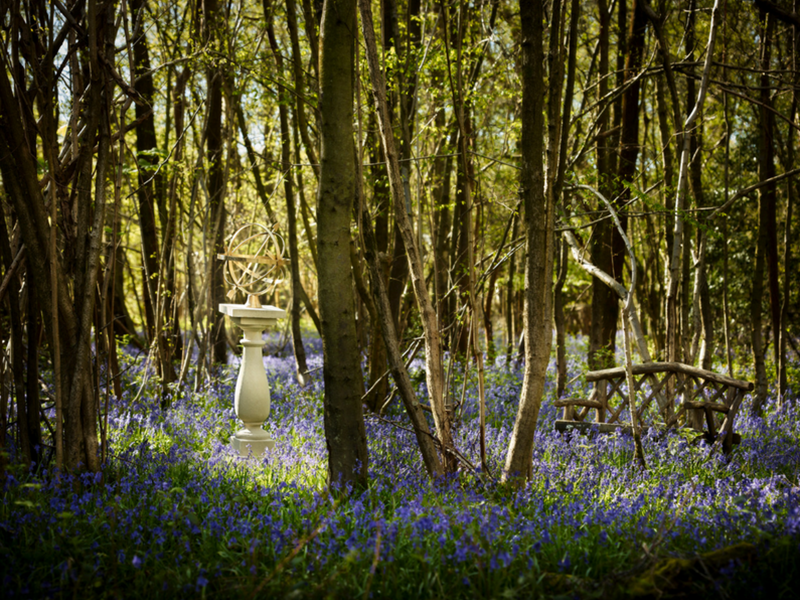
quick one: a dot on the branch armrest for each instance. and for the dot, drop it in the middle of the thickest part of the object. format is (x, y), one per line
(578, 402)
(674, 367)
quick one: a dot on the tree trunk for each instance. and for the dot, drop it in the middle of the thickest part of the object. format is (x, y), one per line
(488, 323)
(17, 354)
(344, 421)
(511, 295)
(391, 343)
(766, 244)
(150, 195)
(787, 235)
(390, 38)
(263, 190)
(378, 384)
(291, 214)
(539, 220)
(211, 31)
(149, 178)
(443, 221)
(310, 238)
(604, 305)
(629, 135)
(700, 293)
(561, 254)
(169, 303)
(676, 265)
(558, 309)
(299, 86)
(33, 399)
(459, 240)
(433, 346)
(769, 194)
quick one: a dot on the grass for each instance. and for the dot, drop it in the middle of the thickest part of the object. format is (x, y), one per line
(175, 514)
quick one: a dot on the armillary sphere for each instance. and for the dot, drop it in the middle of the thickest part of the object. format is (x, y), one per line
(255, 258)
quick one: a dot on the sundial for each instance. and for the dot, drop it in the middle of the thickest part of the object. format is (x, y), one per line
(255, 262)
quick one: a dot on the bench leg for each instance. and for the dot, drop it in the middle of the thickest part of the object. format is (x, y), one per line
(727, 425)
(601, 397)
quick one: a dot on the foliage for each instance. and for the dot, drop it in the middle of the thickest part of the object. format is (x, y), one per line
(174, 513)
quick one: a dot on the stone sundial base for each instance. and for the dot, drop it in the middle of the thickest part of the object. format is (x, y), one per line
(252, 397)
(245, 446)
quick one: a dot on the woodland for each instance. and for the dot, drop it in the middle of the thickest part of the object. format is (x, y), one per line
(481, 202)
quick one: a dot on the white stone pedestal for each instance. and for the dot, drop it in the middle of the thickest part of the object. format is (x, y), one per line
(251, 400)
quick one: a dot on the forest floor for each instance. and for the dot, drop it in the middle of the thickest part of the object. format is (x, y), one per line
(174, 513)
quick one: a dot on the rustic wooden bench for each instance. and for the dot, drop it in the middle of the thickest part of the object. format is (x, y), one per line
(667, 395)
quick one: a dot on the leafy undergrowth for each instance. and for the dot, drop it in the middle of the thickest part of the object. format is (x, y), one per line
(175, 514)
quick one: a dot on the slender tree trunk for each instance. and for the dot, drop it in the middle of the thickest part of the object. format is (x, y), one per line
(310, 238)
(561, 254)
(344, 421)
(604, 306)
(669, 193)
(539, 220)
(558, 309)
(726, 182)
(511, 294)
(17, 357)
(291, 214)
(377, 359)
(620, 76)
(769, 200)
(459, 237)
(168, 313)
(442, 256)
(756, 298)
(783, 381)
(685, 292)
(33, 400)
(488, 323)
(629, 134)
(149, 177)
(675, 264)
(299, 86)
(311, 22)
(433, 346)
(787, 235)
(263, 190)
(150, 195)
(211, 31)
(766, 221)
(3, 413)
(398, 276)
(701, 299)
(425, 441)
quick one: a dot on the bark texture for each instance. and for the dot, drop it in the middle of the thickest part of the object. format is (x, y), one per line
(344, 420)
(538, 215)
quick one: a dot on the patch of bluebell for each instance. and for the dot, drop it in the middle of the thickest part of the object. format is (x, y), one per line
(175, 503)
